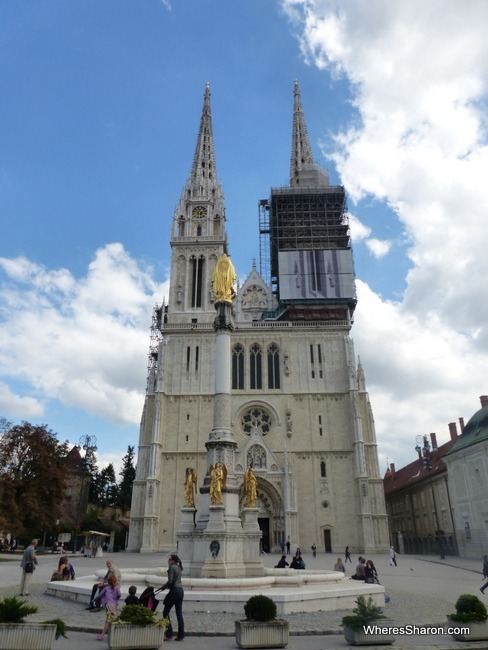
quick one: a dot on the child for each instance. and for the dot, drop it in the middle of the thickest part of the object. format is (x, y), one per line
(132, 599)
(109, 598)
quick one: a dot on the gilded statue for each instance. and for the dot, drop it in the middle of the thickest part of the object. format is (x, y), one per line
(218, 479)
(190, 487)
(250, 486)
(223, 280)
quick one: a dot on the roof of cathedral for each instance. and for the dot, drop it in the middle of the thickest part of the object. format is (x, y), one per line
(475, 431)
(304, 171)
(414, 473)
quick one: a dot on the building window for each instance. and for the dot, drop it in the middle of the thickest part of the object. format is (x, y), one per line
(273, 366)
(256, 419)
(238, 367)
(323, 469)
(197, 267)
(197, 355)
(181, 226)
(255, 362)
(188, 357)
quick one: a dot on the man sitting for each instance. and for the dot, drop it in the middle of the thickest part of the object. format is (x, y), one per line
(95, 602)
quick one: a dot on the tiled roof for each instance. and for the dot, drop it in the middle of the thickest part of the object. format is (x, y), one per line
(415, 472)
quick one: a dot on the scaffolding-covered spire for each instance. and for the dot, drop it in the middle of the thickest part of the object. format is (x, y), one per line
(304, 171)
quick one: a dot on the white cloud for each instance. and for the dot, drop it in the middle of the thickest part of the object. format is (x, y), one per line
(418, 75)
(82, 342)
(10, 402)
(378, 247)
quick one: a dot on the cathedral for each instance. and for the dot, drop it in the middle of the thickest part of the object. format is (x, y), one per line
(300, 413)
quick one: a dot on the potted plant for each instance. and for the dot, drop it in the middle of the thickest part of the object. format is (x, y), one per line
(362, 628)
(261, 629)
(136, 627)
(15, 633)
(469, 620)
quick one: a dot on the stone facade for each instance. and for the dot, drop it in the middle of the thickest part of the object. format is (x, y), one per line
(299, 410)
(467, 468)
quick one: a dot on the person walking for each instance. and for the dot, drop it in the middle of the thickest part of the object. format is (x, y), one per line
(109, 598)
(28, 564)
(174, 597)
(288, 545)
(347, 555)
(392, 557)
(314, 550)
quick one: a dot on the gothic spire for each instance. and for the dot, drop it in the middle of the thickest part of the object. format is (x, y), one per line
(203, 175)
(304, 171)
(201, 207)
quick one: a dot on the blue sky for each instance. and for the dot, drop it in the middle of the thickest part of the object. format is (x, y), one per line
(102, 102)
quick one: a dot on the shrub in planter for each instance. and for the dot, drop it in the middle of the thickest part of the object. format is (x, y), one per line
(469, 609)
(364, 613)
(136, 627)
(261, 629)
(14, 610)
(15, 633)
(260, 608)
(471, 614)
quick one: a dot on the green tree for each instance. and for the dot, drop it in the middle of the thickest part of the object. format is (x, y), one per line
(127, 477)
(32, 477)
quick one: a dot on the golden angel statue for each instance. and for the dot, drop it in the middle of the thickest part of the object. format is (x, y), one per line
(190, 487)
(218, 480)
(250, 486)
(223, 280)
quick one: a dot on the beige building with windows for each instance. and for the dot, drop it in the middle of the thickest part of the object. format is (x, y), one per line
(300, 413)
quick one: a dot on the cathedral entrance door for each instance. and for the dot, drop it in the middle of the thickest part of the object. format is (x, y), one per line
(264, 527)
(327, 541)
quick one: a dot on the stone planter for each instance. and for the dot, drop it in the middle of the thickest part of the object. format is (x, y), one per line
(254, 634)
(28, 636)
(358, 637)
(478, 631)
(122, 636)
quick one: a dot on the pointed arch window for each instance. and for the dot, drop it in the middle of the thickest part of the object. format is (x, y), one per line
(199, 231)
(181, 227)
(323, 469)
(238, 367)
(273, 366)
(256, 371)
(197, 275)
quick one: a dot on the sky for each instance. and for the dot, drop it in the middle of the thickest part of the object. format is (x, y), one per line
(98, 125)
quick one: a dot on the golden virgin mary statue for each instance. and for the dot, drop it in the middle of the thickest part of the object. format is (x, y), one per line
(223, 280)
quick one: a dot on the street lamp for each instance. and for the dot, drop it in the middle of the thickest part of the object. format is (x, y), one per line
(89, 444)
(425, 453)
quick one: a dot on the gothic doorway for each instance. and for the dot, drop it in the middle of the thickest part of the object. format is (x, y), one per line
(271, 518)
(327, 541)
(264, 527)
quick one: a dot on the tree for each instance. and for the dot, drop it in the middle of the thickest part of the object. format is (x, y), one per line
(127, 477)
(32, 477)
(103, 488)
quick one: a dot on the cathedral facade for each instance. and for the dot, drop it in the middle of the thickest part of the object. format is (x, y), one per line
(300, 413)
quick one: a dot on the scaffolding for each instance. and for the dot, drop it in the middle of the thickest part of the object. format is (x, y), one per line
(306, 219)
(156, 336)
(264, 241)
